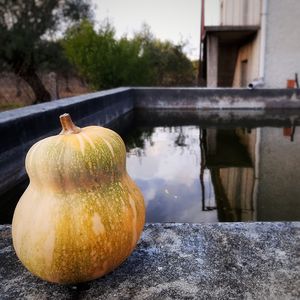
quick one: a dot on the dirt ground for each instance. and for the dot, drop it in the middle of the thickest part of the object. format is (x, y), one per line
(14, 92)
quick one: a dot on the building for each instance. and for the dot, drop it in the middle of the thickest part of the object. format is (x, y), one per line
(252, 40)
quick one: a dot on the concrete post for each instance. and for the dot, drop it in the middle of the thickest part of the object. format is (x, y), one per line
(212, 61)
(53, 86)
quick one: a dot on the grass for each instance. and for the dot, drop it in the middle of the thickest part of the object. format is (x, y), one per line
(8, 106)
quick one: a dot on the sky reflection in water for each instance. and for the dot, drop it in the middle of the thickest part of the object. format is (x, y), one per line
(167, 170)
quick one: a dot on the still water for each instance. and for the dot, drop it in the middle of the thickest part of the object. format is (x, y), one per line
(216, 169)
(169, 169)
(208, 167)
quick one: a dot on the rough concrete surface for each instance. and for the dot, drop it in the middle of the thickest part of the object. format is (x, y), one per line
(181, 261)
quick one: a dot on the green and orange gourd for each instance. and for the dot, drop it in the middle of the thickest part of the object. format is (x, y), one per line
(81, 215)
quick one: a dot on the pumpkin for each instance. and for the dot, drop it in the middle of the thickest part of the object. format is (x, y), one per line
(81, 215)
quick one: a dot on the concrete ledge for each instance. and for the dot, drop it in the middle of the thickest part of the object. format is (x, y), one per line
(21, 125)
(218, 98)
(181, 261)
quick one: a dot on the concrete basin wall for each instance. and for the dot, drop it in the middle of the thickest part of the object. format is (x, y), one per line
(219, 98)
(21, 128)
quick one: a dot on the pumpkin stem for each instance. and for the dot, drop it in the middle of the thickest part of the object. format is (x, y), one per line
(68, 127)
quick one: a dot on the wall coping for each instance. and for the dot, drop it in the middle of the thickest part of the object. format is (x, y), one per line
(21, 112)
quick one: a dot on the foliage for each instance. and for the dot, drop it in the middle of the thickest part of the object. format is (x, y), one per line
(105, 61)
(109, 62)
(25, 29)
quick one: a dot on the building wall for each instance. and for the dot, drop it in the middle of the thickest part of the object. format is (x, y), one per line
(243, 13)
(282, 51)
(282, 57)
(250, 53)
(212, 18)
(240, 12)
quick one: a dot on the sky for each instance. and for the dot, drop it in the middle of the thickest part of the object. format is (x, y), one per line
(174, 20)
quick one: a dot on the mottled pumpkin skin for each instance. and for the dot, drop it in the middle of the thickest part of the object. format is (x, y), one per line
(81, 215)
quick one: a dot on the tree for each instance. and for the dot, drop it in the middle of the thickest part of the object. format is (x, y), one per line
(25, 31)
(91, 53)
(109, 62)
(105, 61)
(169, 64)
(166, 61)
